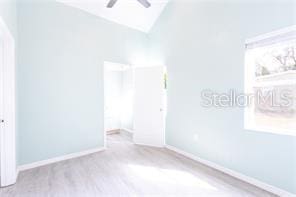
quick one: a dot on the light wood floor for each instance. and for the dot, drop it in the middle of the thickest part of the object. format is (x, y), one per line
(125, 169)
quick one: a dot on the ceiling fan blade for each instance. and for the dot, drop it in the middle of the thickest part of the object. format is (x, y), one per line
(145, 3)
(111, 3)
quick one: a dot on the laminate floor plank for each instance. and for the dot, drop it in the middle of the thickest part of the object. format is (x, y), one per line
(125, 169)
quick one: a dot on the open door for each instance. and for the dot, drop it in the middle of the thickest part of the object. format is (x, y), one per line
(148, 106)
(8, 171)
(1, 107)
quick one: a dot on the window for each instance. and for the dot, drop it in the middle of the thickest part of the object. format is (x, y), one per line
(270, 75)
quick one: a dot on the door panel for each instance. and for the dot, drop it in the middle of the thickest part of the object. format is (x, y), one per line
(7, 136)
(148, 106)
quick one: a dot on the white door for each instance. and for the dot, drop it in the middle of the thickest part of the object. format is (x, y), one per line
(1, 102)
(148, 106)
(7, 108)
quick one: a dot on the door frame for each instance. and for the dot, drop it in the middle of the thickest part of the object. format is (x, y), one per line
(133, 67)
(8, 168)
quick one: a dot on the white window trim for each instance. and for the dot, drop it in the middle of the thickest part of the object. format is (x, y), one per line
(248, 124)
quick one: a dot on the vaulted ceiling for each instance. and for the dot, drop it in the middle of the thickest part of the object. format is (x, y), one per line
(125, 12)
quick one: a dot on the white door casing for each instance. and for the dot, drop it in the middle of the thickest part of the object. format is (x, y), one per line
(148, 106)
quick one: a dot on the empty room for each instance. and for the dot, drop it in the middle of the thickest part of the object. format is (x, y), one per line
(164, 98)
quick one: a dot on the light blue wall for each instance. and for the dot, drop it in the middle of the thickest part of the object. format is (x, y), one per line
(202, 45)
(60, 77)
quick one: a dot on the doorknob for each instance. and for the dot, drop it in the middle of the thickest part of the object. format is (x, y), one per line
(1, 120)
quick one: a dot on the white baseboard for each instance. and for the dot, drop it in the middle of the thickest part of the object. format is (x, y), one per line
(58, 159)
(235, 174)
(150, 145)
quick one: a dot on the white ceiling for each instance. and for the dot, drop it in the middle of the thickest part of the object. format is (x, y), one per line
(125, 12)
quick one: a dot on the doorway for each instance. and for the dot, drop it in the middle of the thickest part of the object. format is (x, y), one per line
(134, 103)
(8, 172)
(118, 101)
